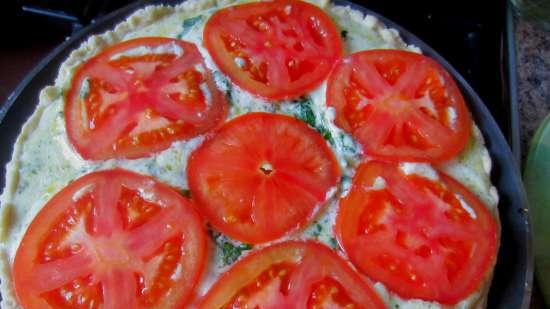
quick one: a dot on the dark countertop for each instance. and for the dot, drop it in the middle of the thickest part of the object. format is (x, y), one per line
(533, 67)
(533, 61)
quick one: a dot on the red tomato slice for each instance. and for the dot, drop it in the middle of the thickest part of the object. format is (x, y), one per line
(422, 238)
(111, 239)
(262, 175)
(399, 105)
(137, 97)
(292, 274)
(274, 49)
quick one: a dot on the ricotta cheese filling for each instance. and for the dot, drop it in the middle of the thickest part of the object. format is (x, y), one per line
(44, 161)
(170, 48)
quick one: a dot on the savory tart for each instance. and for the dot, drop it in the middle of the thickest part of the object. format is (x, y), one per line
(221, 154)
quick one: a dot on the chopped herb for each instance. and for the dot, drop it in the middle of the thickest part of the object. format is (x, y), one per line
(232, 252)
(186, 193)
(318, 230)
(189, 23)
(333, 243)
(349, 145)
(223, 82)
(228, 91)
(228, 96)
(344, 34)
(326, 134)
(305, 112)
(348, 148)
(85, 89)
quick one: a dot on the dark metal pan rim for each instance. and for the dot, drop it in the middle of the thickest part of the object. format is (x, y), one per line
(513, 276)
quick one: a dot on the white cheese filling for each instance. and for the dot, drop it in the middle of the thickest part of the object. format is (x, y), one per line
(420, 169)
(170, 48)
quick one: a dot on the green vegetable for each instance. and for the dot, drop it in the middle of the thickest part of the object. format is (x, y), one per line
(326, 134)
(231, 252)
(345, 178)
(222, 79)
(348, 144)
(333, 243)
(189, 23)
(228, 90)
(536, 177)
(186, 193)
(318, 230)
(305, 112)
(344, 34)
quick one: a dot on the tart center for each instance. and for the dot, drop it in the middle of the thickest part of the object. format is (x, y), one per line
(266, 168)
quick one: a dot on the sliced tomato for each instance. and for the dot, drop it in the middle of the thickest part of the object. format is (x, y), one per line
(262, 175)
(137, 97)
(111, 239)
(422, 238)
(399, 105)
(274, 49)
(293, 274)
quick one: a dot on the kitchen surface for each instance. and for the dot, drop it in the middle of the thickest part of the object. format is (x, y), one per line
(533, 59)
(19, 54)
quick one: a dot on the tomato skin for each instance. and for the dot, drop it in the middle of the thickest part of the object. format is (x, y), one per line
(414, 235)
(240, 198)
(110, 251)
(139, 105)
(401, 106)
(274, 49)
(310, 263)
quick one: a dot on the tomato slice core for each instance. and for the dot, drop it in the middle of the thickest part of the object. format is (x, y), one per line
(111, 239)
(250, 188)
(292, 274)
(274, 49)
(137, 97)
(399, 105)
(423, 238)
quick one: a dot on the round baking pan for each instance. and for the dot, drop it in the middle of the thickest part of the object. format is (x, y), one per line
(511, 286)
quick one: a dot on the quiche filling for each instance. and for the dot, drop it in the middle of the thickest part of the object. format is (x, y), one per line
(287, 195)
